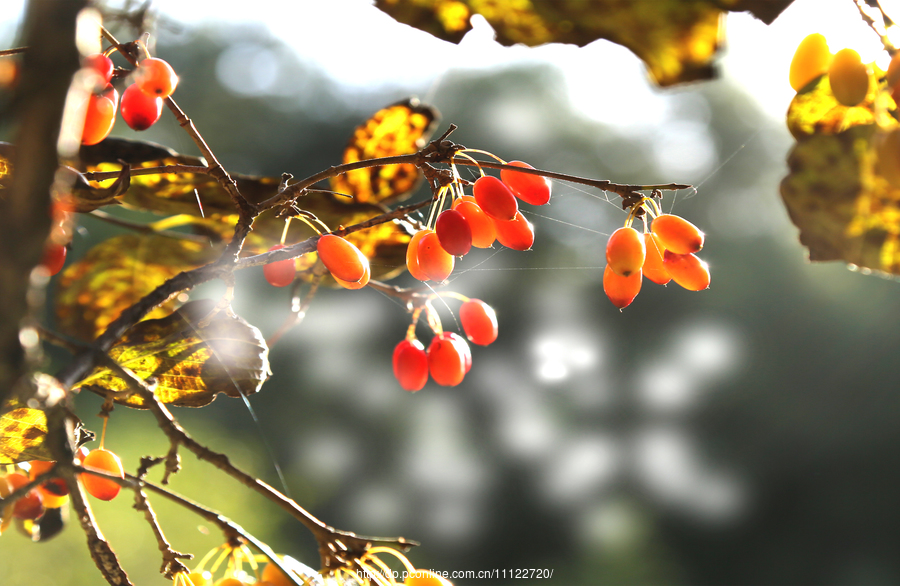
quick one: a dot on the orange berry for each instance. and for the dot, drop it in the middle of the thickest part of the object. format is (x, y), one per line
(280, 273)
(479, 322)
(156, 78)
(140, 111)
(481, 225)
(97, 486)
(625, 251)
(100, 116)
(687, 270)
(357, 284)
(54, 258)
(449, 359)
(410, 365)
(342, 258)
(495, 198)
(621, 290)
(653, 267)
(200, 578)
(54, 492)
(849, 77)
(454, 232)
(434, 261)
(412, 255)
(677, 234)
(517, 234)
(532, 189)
(30, 506)
(811, 60)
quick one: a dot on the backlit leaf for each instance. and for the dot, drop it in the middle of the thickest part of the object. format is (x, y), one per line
(170, 193)
(190, 357)
(815, 110)
(117, 273)
(676, 39)
(843, 208)
(399, 129)
(23, 429)
(22, 434)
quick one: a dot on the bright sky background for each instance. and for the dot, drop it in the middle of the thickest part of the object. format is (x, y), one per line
(359, 46)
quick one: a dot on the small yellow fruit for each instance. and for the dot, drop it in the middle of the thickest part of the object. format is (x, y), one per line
(811, 60)
(849, 77)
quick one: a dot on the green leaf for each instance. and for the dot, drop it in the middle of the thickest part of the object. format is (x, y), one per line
(676, 39)
(117, 273)
(190, 357)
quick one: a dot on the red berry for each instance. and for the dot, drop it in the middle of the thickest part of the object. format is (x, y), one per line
(687, 270)
(30, 506)
(479, 321)
(280, 273)
(677, 234)
(100, 116)
(102, 64)
(532, 189)
(449, 359)
(625, 251)
(412, 255)
(517, 234)
(410, 365)
(621, 290)
(355, 284)
(495, 198)
(434, 261)
(454, 232)
(139, 110)
(342, 258)
(97, 486)
(653, 267)
(54, 258)
(156, 78)
(480, 224)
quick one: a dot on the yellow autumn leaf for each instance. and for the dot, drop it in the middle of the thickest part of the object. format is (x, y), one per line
(677, 39)
(399, 129)
(844, 209)
(189, 357)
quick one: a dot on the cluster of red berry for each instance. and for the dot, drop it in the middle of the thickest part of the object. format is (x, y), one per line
(54, 493)
(448, 358)
(663, 254)
(142, 102)
(490, 214)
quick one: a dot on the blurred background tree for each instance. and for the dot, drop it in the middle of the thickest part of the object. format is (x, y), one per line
(745, 434)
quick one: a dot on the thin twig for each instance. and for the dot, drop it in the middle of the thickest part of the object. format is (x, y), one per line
(171, 564)
(336, 548)
(878, 30)
(162, 170)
